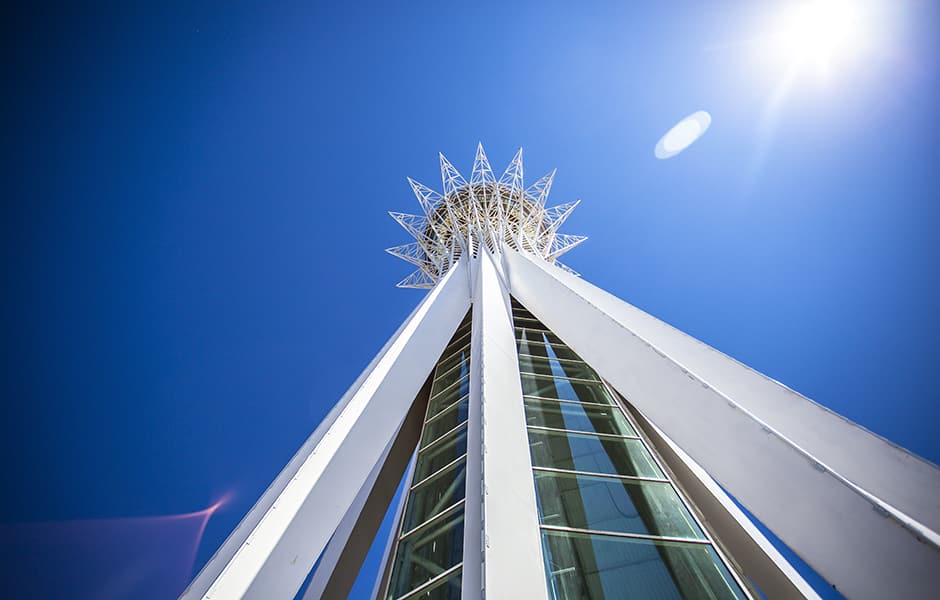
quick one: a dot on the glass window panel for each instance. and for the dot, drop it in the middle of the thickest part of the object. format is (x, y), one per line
(444, 421)
(427, 553)
(598, 567)
(609, 504)
(435, 495)
(577, 417)
(446, 378)
(540, 343)
(550, 366)
(440, 454)
(445, 396)
(444, 402)
(590, 453)
(447, 588)
(564, 389)
(455, 351)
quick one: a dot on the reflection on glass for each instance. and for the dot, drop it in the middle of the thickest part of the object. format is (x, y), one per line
(434, 495)
(444, 378)
(577, 417)
(427, 553)
(556, 368)
(444, 421)
(592, 454)
(564, 389)
(444, 451)
(600, 567)
(609, 504)
(447, 588)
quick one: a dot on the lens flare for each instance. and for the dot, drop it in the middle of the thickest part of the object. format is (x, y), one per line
(137, 557)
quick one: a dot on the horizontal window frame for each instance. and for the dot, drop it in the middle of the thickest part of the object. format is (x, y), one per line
(563, 360)
(456, 402)
(457, 365)
(635, 536)
(450, 387)
(427, 585)
(447, 512)
(436, 441)
(542, 398)
(575, 379)
(612, 436)
(435, 473)
(627, 478)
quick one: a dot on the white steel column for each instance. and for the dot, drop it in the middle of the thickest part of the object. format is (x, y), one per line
(342, 558)
(861, 521)
(273, 549)
(512, 548)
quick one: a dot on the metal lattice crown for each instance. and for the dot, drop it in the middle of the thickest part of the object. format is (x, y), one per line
(482, 211)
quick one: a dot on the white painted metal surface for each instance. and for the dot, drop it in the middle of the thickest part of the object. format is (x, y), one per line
(272, 551)
(840, 514)
(514, 567)
(764, 566)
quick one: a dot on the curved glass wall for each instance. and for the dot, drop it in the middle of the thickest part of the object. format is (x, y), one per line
(613, 523)
(429, 551)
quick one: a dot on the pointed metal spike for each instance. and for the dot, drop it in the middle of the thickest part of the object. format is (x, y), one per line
(450, 176)
(482, 172)
(562, 243)
(557, 215)
(512, 176)
(413, 253)
(417, 280)
(427, 197)
(539, 190)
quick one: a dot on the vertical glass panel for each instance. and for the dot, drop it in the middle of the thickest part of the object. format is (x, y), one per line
(577, 417)
(558, 368)
(591, 453)
(599, 567)
(435, 495)
(427, 553)
(445, 420)
(441, 453)
(609, 504)
(564, 389)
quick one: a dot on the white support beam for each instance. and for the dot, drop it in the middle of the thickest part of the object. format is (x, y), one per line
(749, 549)
(859, 510)
(273, 549)
(342, 558)
(514, 567)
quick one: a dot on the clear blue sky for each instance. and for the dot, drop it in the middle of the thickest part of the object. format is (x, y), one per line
(196, 212)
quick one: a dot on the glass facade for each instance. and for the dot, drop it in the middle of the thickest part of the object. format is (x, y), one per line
(613, 524)
(429, 550)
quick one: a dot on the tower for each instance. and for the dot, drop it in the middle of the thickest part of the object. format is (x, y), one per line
(557, 442)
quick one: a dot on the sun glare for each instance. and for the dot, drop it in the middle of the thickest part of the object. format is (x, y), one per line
(820, 33)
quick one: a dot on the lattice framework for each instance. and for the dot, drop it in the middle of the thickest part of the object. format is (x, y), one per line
(484, 210)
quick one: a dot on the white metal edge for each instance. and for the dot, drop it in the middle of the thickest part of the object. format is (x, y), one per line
(890, 472)
(514, 566)
(472, 577)
(334, 549)
(385, 566)
(759, 559)
(291, 531)
(848, 536)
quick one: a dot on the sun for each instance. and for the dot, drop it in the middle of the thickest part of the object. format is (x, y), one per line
(821, 33)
